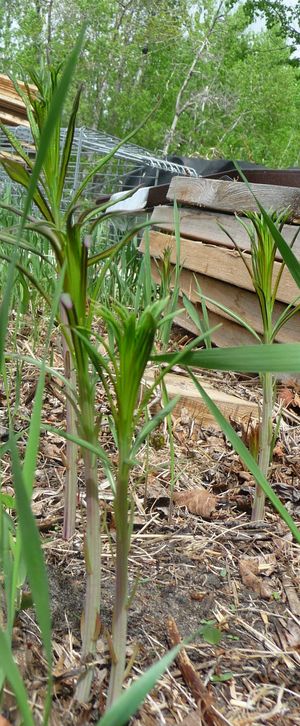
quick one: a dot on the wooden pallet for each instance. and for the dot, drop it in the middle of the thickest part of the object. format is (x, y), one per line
(208, 254)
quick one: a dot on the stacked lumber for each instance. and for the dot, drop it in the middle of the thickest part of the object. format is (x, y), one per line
(12, 108)
(208, 226)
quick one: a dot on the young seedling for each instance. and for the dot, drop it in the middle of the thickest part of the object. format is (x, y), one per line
(120, 371)
(67, 228)
(265, 283)
(261, 270)
(128, 348)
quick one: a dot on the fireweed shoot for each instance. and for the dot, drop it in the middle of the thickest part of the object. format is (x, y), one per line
(67, 231)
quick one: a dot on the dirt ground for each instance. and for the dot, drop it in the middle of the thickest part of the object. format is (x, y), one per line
(190, 572)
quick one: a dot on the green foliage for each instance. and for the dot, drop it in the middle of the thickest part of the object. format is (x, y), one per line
(120, 368)
(211, 634)
(131, 333)
(248, 359)
(232, 103)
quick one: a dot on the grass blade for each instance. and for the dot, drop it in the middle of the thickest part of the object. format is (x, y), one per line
(248, 359)
(128, 703)
(234, 316)
(51, 121)
(4, 309)
(32, 551)
(13, 676)
(151, 424)
(68, 146)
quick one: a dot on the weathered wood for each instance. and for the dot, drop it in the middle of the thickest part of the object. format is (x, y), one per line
(13, 119)
(232, 407)
(12, 102)
(12, 107)
(227, 335)
(232, 196)
(8, 87)
(198, 224)
(217, 262)
(242, 302)
(279, 177)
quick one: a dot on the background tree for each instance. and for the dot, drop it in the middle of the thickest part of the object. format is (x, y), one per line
(224, 90)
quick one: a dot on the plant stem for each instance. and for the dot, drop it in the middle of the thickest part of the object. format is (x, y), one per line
(120, 616)
(71, 448)
(265, 445)
(92, 549)
(71, 470)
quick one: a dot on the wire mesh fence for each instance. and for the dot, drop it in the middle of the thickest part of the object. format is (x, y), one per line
(129, 162)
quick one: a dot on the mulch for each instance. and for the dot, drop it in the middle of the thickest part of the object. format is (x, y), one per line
(230, 584)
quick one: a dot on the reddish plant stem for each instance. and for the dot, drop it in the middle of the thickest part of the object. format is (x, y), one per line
(90, 626)
(120, 616)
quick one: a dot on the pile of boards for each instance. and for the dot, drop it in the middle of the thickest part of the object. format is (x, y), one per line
(208, 224)
(12, 108)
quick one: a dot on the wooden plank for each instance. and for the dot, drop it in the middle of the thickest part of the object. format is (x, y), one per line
(279, 177)
(227, 335)
(198, 224)
(6, 83)
(232, 407)
(13, 119)
(220, 263)
(232, 196)
(6, 99)
(242, 302)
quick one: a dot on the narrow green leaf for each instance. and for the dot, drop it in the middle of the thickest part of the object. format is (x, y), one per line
(287, 255)
(31, 547)
(10, 239)
(32, 447)
(39, 365)
(65, 157)
(79, 441)
(7, 500)
(247, 458)
(234, 316)
(192, 312)
(104, 161)
(55, 110)
(13, 676)
(4, 308)
(111, 252)
(31, 452)
(16, 144)
(249, 358)
(20, 175)
(27, 274)
(151, 424)
(128, 703)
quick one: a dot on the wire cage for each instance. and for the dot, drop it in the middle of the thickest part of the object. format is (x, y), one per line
(129, 161)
